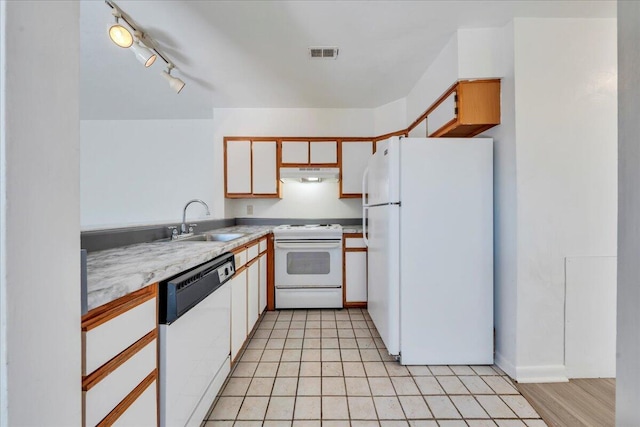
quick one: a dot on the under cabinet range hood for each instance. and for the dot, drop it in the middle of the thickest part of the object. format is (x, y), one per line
(309, 175)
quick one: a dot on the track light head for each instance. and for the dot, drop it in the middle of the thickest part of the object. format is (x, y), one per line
(119, 34)
(143, 54)
(174, 83)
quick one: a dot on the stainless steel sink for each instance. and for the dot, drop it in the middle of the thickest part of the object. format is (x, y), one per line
(213, 237)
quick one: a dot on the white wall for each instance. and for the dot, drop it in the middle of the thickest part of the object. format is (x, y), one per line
(628, 351)
(440, 75)
(144, 171)
(504, 199)
(566, 137)
(40, 231)
(390, 117)
(290, 122)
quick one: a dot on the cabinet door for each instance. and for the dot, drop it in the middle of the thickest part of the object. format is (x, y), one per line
(238, 159)
(253, 294)
(296, 152)
(355, 156)
(262, 302)
(264, 167)
(238, 312)
(356, 276)
(442, 115)
(324, 152)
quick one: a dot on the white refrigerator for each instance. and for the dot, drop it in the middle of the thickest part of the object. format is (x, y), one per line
(428, 226)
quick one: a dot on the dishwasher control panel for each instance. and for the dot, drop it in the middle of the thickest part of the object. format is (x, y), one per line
(226, 271)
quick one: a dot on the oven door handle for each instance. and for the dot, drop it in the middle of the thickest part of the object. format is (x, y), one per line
(306, 245)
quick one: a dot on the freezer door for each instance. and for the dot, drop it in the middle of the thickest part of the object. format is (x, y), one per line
(383, 270)
(383, 181)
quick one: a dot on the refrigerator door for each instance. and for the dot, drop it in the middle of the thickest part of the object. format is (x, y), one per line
(384, 274)
(383, 174)
(446, 235)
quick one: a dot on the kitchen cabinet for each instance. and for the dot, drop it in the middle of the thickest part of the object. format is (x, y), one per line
(253, 294)
(251, 168)
(264, 168)
(354, 156)
(309, 153)
(119, 353)
(238, 167)
(355, 271)
(238, 311)
(248, 291)
(262, 281)
(466, 109)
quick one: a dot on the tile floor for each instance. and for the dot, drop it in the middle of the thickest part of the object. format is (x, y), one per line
(330, 368)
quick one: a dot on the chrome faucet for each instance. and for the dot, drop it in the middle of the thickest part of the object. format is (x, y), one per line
(183, 226)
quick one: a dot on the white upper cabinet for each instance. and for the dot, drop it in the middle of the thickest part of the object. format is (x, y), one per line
(251, 169)
(238, 167)
(355, 155)
(324, 152)
(265, 160)
(295, 152)
(310, 153)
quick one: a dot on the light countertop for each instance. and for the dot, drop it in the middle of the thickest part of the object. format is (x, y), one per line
(116, 272)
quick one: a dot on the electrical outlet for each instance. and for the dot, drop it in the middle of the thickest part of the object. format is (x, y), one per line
(249, 209)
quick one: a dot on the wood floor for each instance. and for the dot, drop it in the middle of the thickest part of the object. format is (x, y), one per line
(580, 402)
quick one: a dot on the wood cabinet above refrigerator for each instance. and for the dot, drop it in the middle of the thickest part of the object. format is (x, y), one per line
(466, 109)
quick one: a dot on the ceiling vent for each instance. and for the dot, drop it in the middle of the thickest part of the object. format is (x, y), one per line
(323, 52)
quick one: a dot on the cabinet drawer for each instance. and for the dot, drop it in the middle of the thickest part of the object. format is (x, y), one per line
(241, 258)
(108, 393)
(263, 245)
(357, 242)
(107, 340)
(143, 412)
(252, 252)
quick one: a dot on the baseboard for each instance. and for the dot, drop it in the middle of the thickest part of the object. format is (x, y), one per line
(541, 374)
(506, 365)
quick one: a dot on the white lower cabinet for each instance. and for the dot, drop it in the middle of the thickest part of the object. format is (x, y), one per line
(143, 411)
(355, 272)
(238, 312)
(253, 294)
(262, 283)
(120, 369)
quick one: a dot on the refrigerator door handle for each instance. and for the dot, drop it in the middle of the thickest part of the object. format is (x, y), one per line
(365, 203)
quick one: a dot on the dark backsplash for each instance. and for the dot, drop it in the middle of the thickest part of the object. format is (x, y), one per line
(99, 240)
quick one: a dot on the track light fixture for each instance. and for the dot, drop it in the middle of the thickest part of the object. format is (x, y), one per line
(143, 54)
(174, 82)
(142, 46)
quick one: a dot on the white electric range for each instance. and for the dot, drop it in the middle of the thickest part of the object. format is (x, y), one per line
(308, 266)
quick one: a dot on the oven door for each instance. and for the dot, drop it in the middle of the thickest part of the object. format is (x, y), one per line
(308, 263)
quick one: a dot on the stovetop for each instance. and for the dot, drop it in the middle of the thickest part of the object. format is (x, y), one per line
(308, 231)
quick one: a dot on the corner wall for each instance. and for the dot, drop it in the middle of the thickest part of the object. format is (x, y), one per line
(40, 233)
(628, 357)
(566, 162)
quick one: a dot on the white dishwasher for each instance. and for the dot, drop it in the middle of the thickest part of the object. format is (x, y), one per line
(195, 338)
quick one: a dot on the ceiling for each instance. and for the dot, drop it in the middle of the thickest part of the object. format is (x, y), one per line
(255, 53)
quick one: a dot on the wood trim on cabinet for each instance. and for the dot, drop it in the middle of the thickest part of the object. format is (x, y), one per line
(240, 269)
(271, 293)
(108, 311)
(253, 261)
(352, 235)
(122, 407)
(356, 304)
(103, 371)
